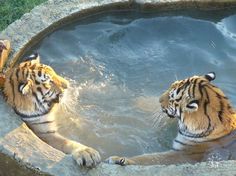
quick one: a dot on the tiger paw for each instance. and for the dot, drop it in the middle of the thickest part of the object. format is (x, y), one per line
(86, 157)
(118, 160)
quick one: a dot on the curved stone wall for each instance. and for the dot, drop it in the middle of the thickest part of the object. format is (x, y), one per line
(24, 148)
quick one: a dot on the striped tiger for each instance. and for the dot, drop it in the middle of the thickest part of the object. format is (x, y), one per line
(206, 124)
(34, 91)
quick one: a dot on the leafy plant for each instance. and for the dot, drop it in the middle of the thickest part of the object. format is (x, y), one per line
(11, 10)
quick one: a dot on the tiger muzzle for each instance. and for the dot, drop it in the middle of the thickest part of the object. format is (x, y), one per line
(169, 114)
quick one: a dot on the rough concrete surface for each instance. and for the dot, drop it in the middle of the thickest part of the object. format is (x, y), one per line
(22, 146)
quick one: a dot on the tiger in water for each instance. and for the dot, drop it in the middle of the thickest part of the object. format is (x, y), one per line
(206, 124)
(34, 91)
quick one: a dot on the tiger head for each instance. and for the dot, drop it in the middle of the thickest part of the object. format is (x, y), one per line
(32, 88)
(200, 107)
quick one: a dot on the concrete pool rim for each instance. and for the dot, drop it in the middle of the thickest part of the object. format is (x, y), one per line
(44, 19)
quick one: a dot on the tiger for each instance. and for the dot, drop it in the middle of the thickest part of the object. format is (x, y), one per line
(34, 91)
(206, 125)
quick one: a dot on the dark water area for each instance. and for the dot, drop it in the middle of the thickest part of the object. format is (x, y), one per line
(119, 62)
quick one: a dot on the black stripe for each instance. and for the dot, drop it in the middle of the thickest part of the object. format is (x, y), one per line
(180, 113)
(175, 149)
(214, 86)
(53, 92)
(25, 65)
(37, 99)
(187, 82)
(205, 110)
(184, 87)
(200, 86)
(191, 135)
(24, 73)
(178, 99)
(27, 73)
(231, 110)
(13, 86)
(17, 73)
(194, 153)
(36, 82)
(41, 123)
(35, 106)
(194, 87)
(211, 140)
(30, 116)
(220, 113)
(189, 90)
(182, 143)
(33, 67)
(40, 90)
(32, 74)
(39, 73)
(177, 91)
(47, 93)
(217, 94)
(41, 103)
(84, 161)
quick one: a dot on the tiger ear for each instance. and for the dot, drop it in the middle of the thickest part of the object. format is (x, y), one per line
(24, 88)
(210, 76)
(34, 58)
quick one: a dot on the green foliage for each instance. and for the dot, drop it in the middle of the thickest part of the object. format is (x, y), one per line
(11, 10)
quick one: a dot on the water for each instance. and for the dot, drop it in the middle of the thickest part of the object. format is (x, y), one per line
(117, 61)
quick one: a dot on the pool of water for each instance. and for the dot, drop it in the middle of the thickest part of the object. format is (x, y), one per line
(119, 63)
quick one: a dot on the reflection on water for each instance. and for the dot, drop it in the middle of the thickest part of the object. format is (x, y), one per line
(116, 60)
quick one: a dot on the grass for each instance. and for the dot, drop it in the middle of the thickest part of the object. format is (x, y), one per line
(11, 10)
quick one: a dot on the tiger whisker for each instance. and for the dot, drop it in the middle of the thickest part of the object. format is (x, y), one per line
(156, 122)
(157, 111)
(156, 114)
(157, 119)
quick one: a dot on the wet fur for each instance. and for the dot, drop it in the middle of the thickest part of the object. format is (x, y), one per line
(34, 90)
(206, 122)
